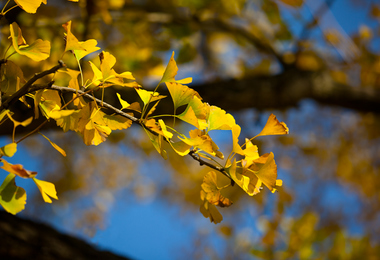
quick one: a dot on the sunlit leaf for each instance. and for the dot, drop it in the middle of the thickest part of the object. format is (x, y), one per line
(124, 104)
(17, 169)
(211, 192)
(47, 189)
(240, 179)
(117, 122)
(56, 147)
(181, 94)
(210, 211)
(12, 197)
(218, 119)
(171, 71)
(30, 6)
(157, 141)
(189, 117)
(165, 132)
(88, 46)
(8, 150)
(148, 96)
(180, 147)
(265, 169)
(274, 127)
(37, 51)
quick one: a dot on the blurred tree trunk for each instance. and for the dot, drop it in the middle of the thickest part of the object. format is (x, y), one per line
(24, 239)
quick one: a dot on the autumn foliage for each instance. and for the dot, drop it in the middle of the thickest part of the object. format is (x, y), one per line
(94, 120)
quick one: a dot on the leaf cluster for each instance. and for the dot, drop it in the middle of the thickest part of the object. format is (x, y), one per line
(94, 120)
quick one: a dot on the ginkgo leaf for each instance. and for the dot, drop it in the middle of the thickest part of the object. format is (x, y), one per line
(17, 169)
(202, 141)
(89, 46)
(16, 123)
(8, 150)
(189, 117)
(165, 132)
(80, 49)
(211, 192)
(37, 51)
(107, 76)
(240, 179)
(30, 6)
(12, 78)
(218, 119)
(171, 71)
(236, 148)
(274, 127)
(73, 83)
(56, 147)
(72, 42)
(210, 211)
(157, 141)
(47, 189)
(181, 94)
(117, 122)
(265, 169)
(180, 147)
(69, 122)
(124, 104)
(12, 197)
(251, 152)
(148, 96)
(201, 109)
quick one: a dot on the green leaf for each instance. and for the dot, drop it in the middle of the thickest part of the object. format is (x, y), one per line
(12, 197)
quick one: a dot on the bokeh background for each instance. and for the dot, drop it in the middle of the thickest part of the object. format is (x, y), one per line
(314, 64)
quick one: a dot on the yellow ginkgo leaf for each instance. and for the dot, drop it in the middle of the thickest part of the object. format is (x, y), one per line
(8, 150)
(171, 71)
(210, 211)
(211, 192)
(218, 119)
(181, 94)
(17, 169)
(47, 189)
(37, 51)
(12, 197)
(265, 169)
(30, 6)
(189, 117)
(124, 104)
(56, 147)
(240, 179)
(274, 127)
(165, 132)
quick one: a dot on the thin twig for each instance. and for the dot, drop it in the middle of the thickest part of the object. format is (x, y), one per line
(32, 132)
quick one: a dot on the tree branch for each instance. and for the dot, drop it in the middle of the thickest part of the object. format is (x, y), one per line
(101, 103)
(26, 88)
